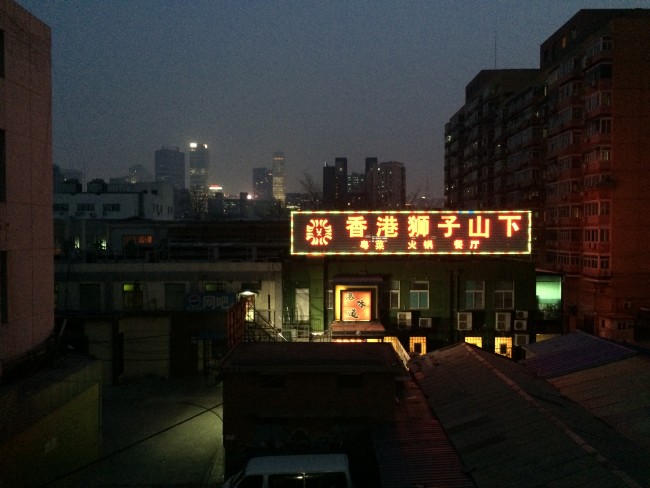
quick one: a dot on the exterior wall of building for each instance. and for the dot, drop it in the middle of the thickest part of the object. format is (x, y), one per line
(587, 134)
(149, 200)
(27, 315)
(53, 426)
(444, 283)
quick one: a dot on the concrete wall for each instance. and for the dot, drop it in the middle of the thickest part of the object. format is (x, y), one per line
(26, 233)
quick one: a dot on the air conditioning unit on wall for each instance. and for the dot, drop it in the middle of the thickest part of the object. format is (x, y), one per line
(404, 319)
(520, 324)
(502, 321)
(521, 339)
(521, 314)
(464, 320)
(424, 322)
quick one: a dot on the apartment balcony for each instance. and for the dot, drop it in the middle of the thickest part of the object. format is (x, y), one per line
(570, 246)
(598, 57)
(597, 167)
(597, 140)
(600, 111)
(596, 220)
(569, 174)
(599, 247)
(569, 222)
(599, 274)
(597, 85)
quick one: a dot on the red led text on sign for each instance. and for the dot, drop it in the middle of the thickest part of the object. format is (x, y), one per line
(404, 232)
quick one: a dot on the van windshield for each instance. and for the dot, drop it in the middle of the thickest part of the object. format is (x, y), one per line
(309, 480)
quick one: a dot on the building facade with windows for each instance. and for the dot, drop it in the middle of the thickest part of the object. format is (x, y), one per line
(50, 421)
(199, 163)
(169, 165)
(278, 169)
(152, 201)
(566, 141)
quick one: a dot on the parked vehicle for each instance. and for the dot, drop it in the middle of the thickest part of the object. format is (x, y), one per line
(297, 471)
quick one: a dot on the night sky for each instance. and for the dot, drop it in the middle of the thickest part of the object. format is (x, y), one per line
(314, 79)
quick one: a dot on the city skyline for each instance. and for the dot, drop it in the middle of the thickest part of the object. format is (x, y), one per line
(355, 80)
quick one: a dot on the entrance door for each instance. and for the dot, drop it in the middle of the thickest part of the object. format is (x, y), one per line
(301, 313)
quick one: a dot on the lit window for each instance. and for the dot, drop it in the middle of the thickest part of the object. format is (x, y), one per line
(132, 296)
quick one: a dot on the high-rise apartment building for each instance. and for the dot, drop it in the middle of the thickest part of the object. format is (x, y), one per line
(170, 166)
(263, 183)
(335, 185)
(199, 166)
(279, 190)
(568, 140)
(386, 184)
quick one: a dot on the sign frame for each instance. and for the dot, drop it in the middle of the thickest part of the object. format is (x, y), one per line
(411, 232)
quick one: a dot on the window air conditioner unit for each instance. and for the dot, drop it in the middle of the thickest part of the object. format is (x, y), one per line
(521, 315)
(404, 319)
(425, 322)
(464, 320)
(520, 324)
(521, 339)
(502, 321)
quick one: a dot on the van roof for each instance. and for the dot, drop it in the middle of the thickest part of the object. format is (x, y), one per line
(303, 463)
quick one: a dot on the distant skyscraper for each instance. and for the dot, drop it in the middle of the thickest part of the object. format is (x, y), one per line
(278, 177)
(263, 183)
(335, 185)
(139, 174)
(170, 166)
(199, 166)
(387, 186)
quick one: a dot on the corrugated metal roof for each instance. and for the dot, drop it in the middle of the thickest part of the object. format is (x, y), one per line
(512, 428)
(618, 393)
(414, 451)
(572, 352)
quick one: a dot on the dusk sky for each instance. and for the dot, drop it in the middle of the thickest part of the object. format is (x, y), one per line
(314, 79)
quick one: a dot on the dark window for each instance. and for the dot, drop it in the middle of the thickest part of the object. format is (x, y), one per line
(252, 481)
(90, 297)
(174, 296)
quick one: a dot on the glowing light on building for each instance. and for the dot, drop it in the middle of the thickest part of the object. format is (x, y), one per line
(321, 233)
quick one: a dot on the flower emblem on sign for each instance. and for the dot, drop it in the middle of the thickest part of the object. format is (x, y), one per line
(318, 232)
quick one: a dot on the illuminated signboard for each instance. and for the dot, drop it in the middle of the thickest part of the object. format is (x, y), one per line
(326, 233)
(356, 305)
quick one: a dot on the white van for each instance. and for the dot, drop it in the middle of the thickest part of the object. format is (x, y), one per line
(299, 471)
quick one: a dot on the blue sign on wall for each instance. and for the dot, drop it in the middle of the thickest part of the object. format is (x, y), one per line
(210, 301)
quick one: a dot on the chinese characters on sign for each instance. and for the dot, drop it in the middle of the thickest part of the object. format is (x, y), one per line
(356, 305)
(405, 232)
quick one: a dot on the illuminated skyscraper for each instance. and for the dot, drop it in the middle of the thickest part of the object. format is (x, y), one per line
(278, 177)
(199, 166)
